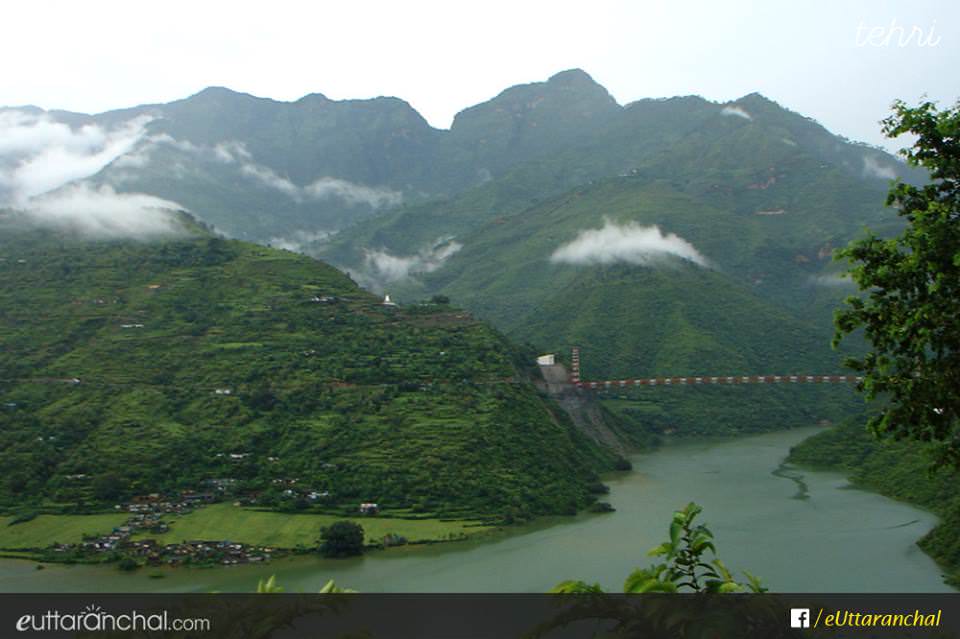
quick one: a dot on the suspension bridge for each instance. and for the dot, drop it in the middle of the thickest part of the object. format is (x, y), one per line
(576, 380)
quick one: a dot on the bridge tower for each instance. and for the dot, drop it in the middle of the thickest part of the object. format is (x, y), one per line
(575, 366)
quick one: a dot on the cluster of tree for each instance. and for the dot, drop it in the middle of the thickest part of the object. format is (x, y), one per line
(910, 308)
(341, 539)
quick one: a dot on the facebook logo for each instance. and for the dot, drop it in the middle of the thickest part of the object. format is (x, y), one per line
(799, 617)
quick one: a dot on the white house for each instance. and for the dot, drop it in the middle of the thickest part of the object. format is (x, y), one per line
(547, 360)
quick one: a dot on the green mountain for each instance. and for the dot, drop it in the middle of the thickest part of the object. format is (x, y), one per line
(289, 172)
(762, 193)
(134, 367)
(668, 316)
(759, 194)
(478, 212)
(262, 169)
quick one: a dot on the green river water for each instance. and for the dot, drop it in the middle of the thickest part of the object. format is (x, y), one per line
(800, 531)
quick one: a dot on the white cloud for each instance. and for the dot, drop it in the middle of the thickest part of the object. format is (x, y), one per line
(183, 145)
(140, 156)
(103, 212)
(43, 163)
(268, 177)
(736, 111)
(235, 152)
(39, 154)
(381, 266)
(630, 243)
(352, 193)
(299, 241)
(135, 159)
(321, 189)
(231, 151)
(873, 168)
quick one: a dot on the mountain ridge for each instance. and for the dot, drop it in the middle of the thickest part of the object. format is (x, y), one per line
(381, 153)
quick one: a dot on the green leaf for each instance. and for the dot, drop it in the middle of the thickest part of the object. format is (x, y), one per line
(571, 587)
(722, 569)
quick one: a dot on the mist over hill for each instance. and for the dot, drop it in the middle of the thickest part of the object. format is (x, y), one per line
(297, 172)
(665, 236)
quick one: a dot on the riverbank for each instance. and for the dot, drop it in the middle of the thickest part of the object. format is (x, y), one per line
(200, 535)
(899, 470)
(836, 539)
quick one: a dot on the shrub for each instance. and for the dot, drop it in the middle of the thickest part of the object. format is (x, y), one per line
(341, 539)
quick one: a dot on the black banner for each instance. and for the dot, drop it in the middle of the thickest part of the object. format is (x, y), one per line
(478, 616)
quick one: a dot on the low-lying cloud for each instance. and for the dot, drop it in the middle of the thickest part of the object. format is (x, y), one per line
(351, 193)
(736, 111)
(39, 154)
(139, 157)
(269, 178)
(235, 152)
(299, 241)
(873, 168)
(384, 267)
(629, 243)
(43, 165)
(104, 213)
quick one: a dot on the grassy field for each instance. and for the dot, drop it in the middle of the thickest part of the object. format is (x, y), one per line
(243, 525)
(46, 530)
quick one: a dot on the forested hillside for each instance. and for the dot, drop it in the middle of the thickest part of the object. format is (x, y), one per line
(194, 363)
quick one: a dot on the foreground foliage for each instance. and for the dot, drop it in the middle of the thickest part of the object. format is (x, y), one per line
(270, 586)
(685, 566)
(911, 311)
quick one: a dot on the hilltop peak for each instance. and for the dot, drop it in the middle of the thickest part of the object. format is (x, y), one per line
(314, 97)
(572, 89)
(572, 77)
(215, 93)
(755, 97)
(212, 91)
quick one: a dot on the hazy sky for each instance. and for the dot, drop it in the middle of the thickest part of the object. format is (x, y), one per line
(841, 63)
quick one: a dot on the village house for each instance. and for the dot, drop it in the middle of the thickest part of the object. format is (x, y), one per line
(221, 484)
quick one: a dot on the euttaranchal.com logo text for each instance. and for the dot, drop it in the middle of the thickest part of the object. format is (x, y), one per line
(95, 619)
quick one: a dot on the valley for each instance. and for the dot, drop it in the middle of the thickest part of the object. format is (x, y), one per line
(238, 321)
(850, 539)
